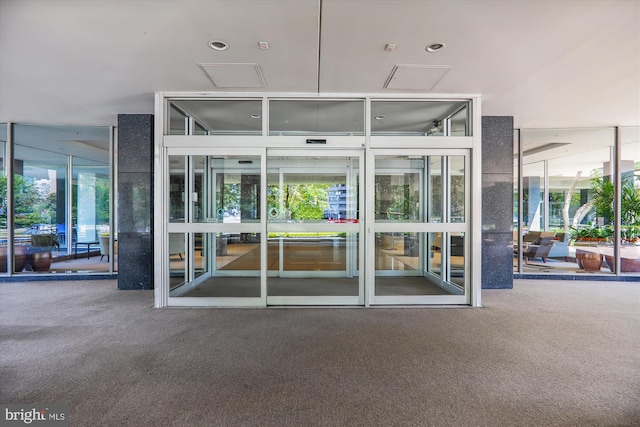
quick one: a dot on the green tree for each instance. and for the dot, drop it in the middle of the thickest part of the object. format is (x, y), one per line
(307, 202)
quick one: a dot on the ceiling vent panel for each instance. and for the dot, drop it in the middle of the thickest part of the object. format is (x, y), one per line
(235, 75)
(416, 77)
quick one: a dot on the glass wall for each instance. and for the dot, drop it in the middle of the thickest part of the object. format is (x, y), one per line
(61, 200)
(630, 202)
(569, 204)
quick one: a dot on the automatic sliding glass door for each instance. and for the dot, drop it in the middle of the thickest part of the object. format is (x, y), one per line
(313, 227)
(417, 204)
(215, 232)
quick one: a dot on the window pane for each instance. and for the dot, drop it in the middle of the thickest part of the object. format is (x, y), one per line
(302, 117)
(42, 218)
(413, 263)
(236, 180)
(217, 117)
(419, 118)
(457, 188)
(177, 188)
(630, 220)
(567, 198)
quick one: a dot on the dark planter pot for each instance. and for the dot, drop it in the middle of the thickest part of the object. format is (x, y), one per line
(589, 261)
(40, 261)
(627, 265)
(20, 257)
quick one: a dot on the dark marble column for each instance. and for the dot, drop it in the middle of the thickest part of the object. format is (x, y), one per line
(135, 201)
(497, 202)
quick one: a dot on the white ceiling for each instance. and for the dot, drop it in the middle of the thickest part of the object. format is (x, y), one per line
(556, 63)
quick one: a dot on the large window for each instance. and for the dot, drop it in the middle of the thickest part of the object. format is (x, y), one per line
(61, 200)
(569, 210)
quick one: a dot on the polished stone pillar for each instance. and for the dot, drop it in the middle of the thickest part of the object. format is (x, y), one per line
(135, 201)
(497, 202)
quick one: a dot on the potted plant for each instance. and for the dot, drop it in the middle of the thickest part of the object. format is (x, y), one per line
(40, 256)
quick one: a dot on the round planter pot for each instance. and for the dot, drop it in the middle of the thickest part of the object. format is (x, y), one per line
(40, 261)
(627, 265)
(590, 261)
(20, 256)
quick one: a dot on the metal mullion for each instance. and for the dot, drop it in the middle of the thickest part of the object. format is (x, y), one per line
(467, 222)
(617, 209)
(264, 237)
(281, 206)
(112, 229)
(547, 196)
(446, 218)
(190, 240)
(520, 201)
(69, 203)
(9, 202)
(160, 192)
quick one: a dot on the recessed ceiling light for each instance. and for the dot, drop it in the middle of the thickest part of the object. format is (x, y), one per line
(380, 117)
(435, 47)
(390, 47)
(256, 116)
(218, 45)
(263, 45)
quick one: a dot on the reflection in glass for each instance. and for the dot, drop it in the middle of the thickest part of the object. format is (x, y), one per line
(398, 196)
(398, 189)
(460, 123)
(198, 194)
(435, 190)
(177, 121)
(236, 180)
(397, 251)
(237, 251)
(177, 188)
(456, 188)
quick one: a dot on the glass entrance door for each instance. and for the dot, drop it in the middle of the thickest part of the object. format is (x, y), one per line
(314, 228)
(418, 250)
(285, 227)
(215, 243)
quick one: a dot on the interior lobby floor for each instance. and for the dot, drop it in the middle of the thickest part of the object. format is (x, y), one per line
(546, 353)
